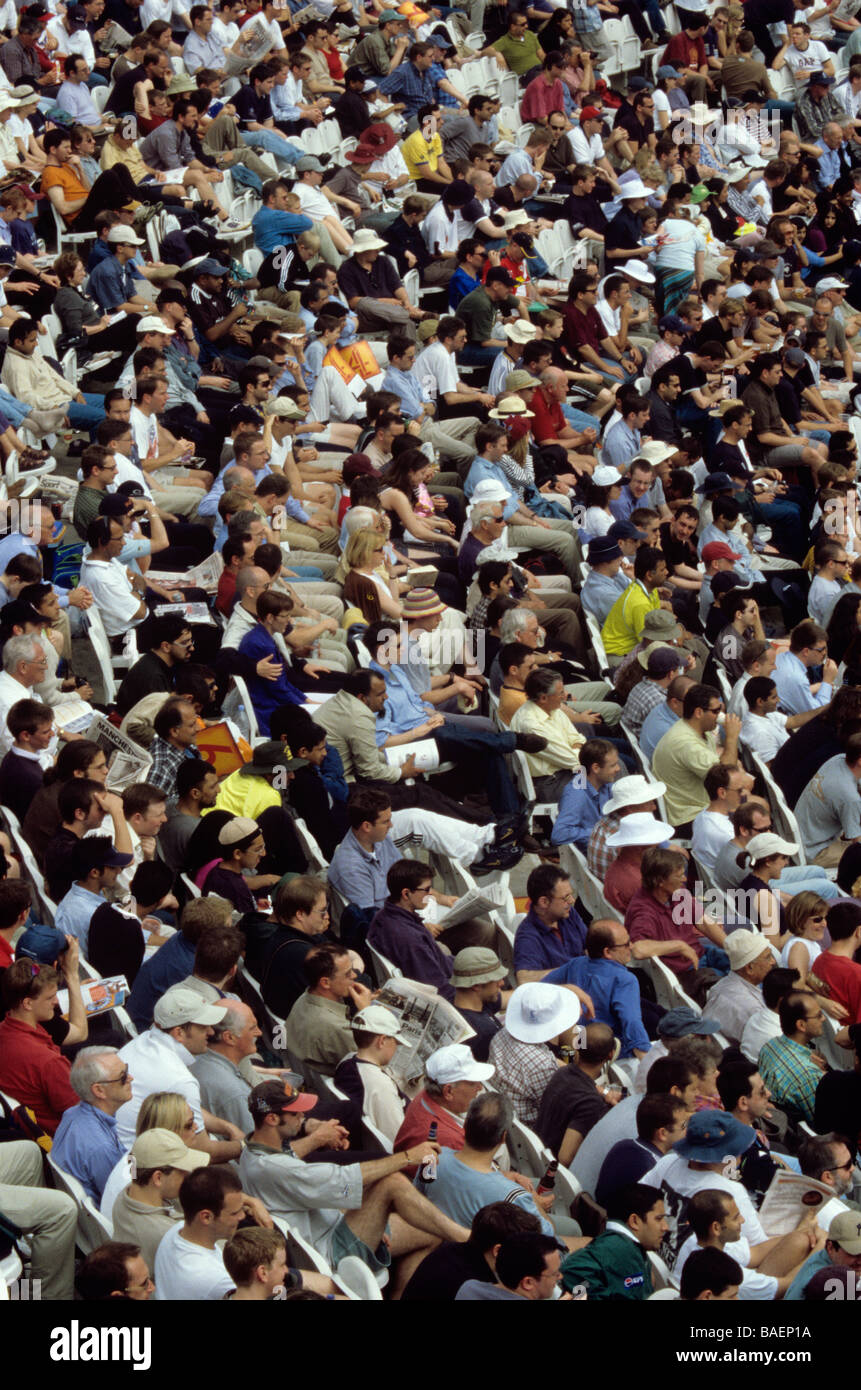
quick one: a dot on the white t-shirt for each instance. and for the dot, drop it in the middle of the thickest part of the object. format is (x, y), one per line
(611, 318)
(128, 473)
(753, 1285)
(314, 203)
(187, 1271)
(711, 832)
(436, 370)
(586, 151)
(144, 433)
(440, 233)
(765, 734)
(819, 28)
(801, 65)
(672, 1172)
(662, 103)
(383, 1106)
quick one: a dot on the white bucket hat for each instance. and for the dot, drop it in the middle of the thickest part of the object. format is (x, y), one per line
(744, 946)
(635, 189)
(633, 791)
(367, 240)
(655, 451)
(642, 828)
(489, 490)
(605, 476)
(637, 271)
(537, 1012)
(520, 331)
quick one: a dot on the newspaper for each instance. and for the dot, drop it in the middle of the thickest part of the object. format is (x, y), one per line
(789, 1197)
(428, 1020)
(99, 996)
(73, 716)
(488, 898)
(425, 750)
(203, 576)
(127, 761)
(194, 612)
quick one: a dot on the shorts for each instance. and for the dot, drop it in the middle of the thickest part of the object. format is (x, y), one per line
(345, 1242)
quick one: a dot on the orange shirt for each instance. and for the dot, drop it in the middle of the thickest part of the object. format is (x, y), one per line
(65, 178)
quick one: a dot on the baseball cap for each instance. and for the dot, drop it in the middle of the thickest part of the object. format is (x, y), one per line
(161, 1148)
(671, 323)
(42, 943)
(454, 1063)
(667, 70)
(210, 266)
(121, 235)
(151, 323)
(766, 843)
(92, 853)
(427, 329)
(590, 113)
(639, 84)
(625, 531)
(180, 1005)
(794, 356)
(284, 407)
(377, 1019)
(845, 1231)
(718, 550)
(115, 504)
(76, 16)
(278, 1098)
(476, 965)
(832, 282)
(391, 17)
(660, 660)
(724, 583)
(234, 831)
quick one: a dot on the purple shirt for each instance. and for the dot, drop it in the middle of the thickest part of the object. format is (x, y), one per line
(403, 938)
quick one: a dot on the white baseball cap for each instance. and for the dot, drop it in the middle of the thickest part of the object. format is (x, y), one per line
(180, 1005)
(377, 1019)
(454, 1063)
(763, 846)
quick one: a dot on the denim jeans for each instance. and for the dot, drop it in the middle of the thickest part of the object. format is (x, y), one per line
(306, 572)
(86, 417)
(807, 878)
(273, 142)
(15, 411)
(473, 355)
(479, 756)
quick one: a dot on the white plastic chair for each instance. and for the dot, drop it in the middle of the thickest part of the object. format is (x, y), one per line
(383, 968)
(94, 1229)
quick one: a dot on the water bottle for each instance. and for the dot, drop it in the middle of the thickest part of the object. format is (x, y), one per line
(429, 1167)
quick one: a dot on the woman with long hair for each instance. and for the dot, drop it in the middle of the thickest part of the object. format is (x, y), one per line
(366, 587)
(81, 758)
(844, 630)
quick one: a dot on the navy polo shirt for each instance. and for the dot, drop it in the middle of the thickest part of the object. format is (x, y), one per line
(538, 947)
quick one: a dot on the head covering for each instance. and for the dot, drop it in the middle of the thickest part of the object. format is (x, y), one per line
(667, 70)
(42, 943)
(476, 965)
(625, 531)
(236, 830)
(454, 1063)
(637, 271)
(381, 1021)
(671, 323)
(661, 624)
(267, 757)
(744, 946)
(713, 1135)
(519, 381)
(590, 113)
(510, 405)
(161, 1148)
(659, 659)
(364, 239)
(278, 1098)
(538, 1012)
(819, 79)
(642, 828)
(520, 331)
(602, 549)
(180, 1005)
(421, 603)
(764, 845)
(310, 164)
(426, 330)
(120, 234)
(715, 482)
(210, 266)
(635, 790)
(718, 550)
(635, 189)
(380, 136)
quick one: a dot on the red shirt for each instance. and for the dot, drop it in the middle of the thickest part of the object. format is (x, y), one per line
(7, 954)
(226, 592)
(649, 920)
(549, 419)
(417, 1122)
(843, 978)
(541, 100)
(583, 330)
(34, 1071)
(682, 52)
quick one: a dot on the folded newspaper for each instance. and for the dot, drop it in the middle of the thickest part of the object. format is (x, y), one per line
(203, 576)
(73, 716)
(488, 898)
(194, 612)
(789, 1197)
(425, 750)
(128, 763)
(428, 1020)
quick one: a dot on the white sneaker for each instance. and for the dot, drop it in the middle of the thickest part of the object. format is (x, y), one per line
(233, 225)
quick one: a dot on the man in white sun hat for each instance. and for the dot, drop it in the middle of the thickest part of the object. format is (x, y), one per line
(537, 1015)
(362, 1075)
(732, 1000)
(453, 1078)
(635, 834)
(630, 794)
(511, 357)
(373, 289)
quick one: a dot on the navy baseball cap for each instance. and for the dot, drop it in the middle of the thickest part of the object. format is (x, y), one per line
(209, 266)
(715, 482)
(671, 323)
(625, 531)
(42, 943)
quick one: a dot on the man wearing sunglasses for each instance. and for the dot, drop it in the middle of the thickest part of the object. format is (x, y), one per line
(86, 1143)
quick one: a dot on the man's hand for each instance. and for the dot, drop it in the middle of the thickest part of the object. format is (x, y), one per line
(829, 671)
(408, 767)
(732, 725)
(435, 721)
(147, 844)
(268, 669)
(328, 1134)
(689, 954)
(419, 1152)
(81, 597)
(110, 803)
(69, 957)
(585, 999)
(252, 1206)
(316, 668)
(361, 995)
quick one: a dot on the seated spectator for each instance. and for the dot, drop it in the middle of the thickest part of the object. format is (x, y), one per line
(224, 1089)
(318, 1028)
(196, 791)
(453, 1079)
(745, 1096)
(173, 962)
(171, 646)
(97, 865)
(661, 1122)
(543, 719)
(31, 729)
(602, 973)
(688, 749)
(661, 665)
(808, 647)
(478, 981)
(842, 1251)
(616, 1264)
(764, 1023)
(606, 580)
(446, 1270)
(836, 970)
(362, 1076)
(583, 800)
(790, 1067)
(572, 1101)
(634, 836)
(466, 1179)
(552, 930)
(726, 787)
(731, 1001)
(115, 1270)
(829, 809)
(302, 919)
(144, 1211)
(188, 1263)
(664, 920)
(716, 1224)
(242, 842)
(32, 1068)
(313, 1197)
(537, 1015)
(398, 932)
(176, 731)
(623, 625)
(85, 1142)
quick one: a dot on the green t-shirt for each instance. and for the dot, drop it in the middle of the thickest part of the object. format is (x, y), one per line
(519, 54)
(479, 312)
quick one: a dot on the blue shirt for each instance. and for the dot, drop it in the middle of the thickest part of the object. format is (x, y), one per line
(359, 875)
(171, 963)
(538, 947)
(86, 1145)
(580, 808)
(459, 286)
(829, 166)
(404, 708)
(111, 284)
(615, 993)
(460, 1191)
(655, 725)
(812, 1265)
(267, 696)
(793, 687)
(408, 388)
(410, 86)
(273, 227)
(737, 544)
(75, 912)
(600, 591)
(482, 468)
(621, 444)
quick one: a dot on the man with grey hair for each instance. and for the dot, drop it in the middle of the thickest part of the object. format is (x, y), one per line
(86, 1143)
(223, 1088)
(532, 627)
(251, 582)
(24, 665)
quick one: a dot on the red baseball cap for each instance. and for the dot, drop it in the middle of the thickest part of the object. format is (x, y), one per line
(591, 113)
(718, 550)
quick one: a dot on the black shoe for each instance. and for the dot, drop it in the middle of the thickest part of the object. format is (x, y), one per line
(511, 829)
(496, 857)
(530, 743)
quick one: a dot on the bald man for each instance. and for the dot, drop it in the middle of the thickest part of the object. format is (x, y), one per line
(551, 427)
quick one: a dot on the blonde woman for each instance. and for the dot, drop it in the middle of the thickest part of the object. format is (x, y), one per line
(806, 919)
(161, 1110)
(367, 585)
